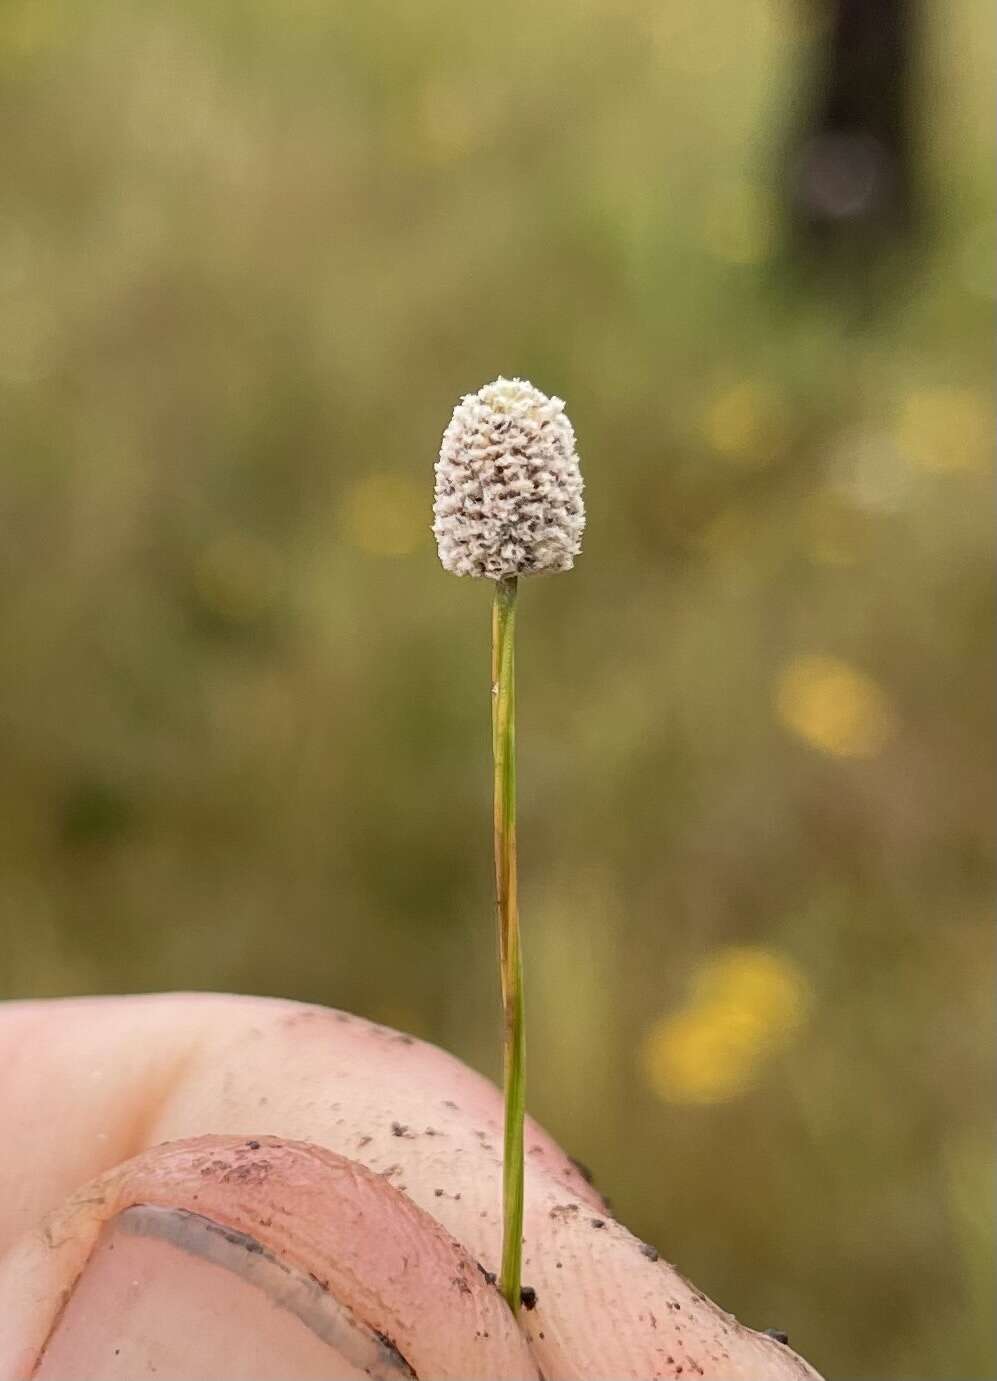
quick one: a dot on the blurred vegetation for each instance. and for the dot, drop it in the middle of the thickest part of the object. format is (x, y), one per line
(250, 255)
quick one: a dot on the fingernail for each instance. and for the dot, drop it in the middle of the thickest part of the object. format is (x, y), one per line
(169, 1293)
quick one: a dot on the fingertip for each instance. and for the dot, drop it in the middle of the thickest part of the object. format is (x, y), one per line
(195, 1250)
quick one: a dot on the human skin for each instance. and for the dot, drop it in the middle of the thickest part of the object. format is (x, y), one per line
(200, 1186)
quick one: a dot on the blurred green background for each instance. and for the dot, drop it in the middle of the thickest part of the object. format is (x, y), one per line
(250, 256)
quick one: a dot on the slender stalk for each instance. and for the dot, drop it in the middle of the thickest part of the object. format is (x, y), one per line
(510, 959)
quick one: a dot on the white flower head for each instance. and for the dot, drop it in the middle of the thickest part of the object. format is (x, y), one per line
(508, 485)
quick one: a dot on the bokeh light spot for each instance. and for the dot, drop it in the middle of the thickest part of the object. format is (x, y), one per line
(385, 514)
(745, 1005)
(755, 980)
(946, 429)
(866, 469)
(834, 707)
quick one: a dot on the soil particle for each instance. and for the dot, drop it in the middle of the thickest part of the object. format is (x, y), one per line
(650, 1252)
(245, 1172)
(778, 1335)
(252, 1172)
(598, 1222)
(213, 1169)
(528, 1297)
(559, 1210)
(488, 1275)
(388, 1343)
(400, 1129)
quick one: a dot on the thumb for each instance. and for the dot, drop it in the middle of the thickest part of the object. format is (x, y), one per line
(236, 1258)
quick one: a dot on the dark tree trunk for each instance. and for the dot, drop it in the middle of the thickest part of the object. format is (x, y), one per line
(851, 171)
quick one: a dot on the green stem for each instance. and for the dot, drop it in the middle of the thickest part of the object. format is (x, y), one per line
(510, 959)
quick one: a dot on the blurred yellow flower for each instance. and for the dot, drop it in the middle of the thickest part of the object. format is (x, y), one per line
(745, 1005)
(755, 979)
(385, 514)
(946, 429)
(834, 707)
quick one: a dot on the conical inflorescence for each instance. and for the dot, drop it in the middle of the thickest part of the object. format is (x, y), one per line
(508, 485)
